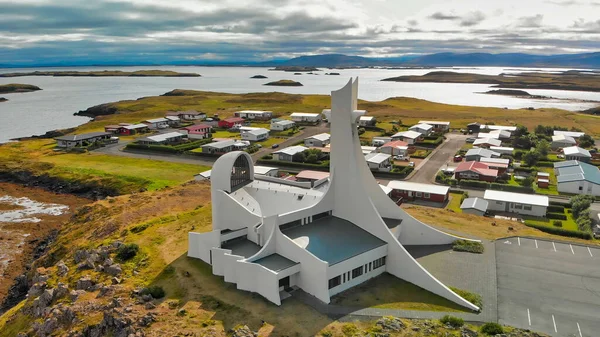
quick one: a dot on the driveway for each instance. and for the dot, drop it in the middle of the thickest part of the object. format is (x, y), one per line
(307, 132)
(548, 286)
(426, 171)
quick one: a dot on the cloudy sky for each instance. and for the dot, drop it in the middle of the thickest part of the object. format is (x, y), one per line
(46, 31)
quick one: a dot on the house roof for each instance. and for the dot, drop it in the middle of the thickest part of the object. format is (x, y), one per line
(173, 118)
(157, 120)
(134, 126)
(574, 170)
(485, 153)
(83, 136)
(385, 189)
(234, 119)
(262, 170)
(418, 187)
(220, 144)
(478, 167)
(256, 112)
(395, 144)
(543, 174)
(189, 112)
(205, 174)
(322, 238)
(377, 158)
(367, 118)
(569, 133)
(259, 131)
(564, 139)
(162, 137)
(500, 127)
(501, 148)
(407, 134)
(421, 126)
(576, 151)
(107, 127)
(283, 122)
(275, 262)
(475, 203)
(196, 127)
(321, 136)
(489, 141)
(434, 122)
(496, 162)
(368, 149)
(528, 199)
(292, 150)
(304, 114)
(312, 175)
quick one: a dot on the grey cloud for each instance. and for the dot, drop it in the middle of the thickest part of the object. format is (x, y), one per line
(530, 21)
(472, 19)
(443, 16)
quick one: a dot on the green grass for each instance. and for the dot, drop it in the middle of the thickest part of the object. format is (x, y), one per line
(566, 224)
(454, 203)
(226, 134)
(270, 141)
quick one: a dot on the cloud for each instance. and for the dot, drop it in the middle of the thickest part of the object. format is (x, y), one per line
(530, 21)
(466, 20)
(443, 16)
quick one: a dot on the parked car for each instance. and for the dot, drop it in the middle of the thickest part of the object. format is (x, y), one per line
(401, 157)
(411, 164)
(470, 140)
(274, 146)
(458, 158)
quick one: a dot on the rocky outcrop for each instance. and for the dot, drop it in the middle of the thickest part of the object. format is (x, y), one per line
(259, 76)
(84, 283)
(98, 110)
(14, 88)
(390, 324)
(61, 268)
(2, 99)
(243, 331)
(284, 83)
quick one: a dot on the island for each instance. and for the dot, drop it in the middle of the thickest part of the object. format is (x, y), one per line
(16, 88)
(568, 80)
(285, 83)
(515, 93)
(105, 73)
(294, 69)
(2, 99)
(332, 74)
(259, 76)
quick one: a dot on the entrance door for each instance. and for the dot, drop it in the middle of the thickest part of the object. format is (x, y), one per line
(506, 207)
(284, 283)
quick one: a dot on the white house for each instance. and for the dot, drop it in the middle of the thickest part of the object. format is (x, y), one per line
(304, 117)
(367, 121)
(496, 134)
(281, 124)
(270, 236)
(70, 141)
(577, 153)
(438, 126)
(571, 134)
(157, 123)
(560, 141)
(476, 154)
(379, 161)
(378, 141)
(188, 115)
(410, 137)
(502, 149)
(368, 149)
(476, 206)
(576, 177)
(219, 147)
(254, 114)
(162, 138)
(255, 135)
(287, 154)
(265, 171)
(519, 203)
(320, 140)
(498, 127)
(487, 142)
(394, 148)
(424, 129)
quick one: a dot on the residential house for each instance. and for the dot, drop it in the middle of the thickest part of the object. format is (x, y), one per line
(231, 122)
(84, 139)
(173, 121)
(438, 127)
(367, 121)
(577, 153)
(368, 149)
(378, 141)
(162, 139)
(202, 176)
(503, 150)
(571, 134)
(473, 128)
(476, 206)
(255, 135)
(379, 162)
(577, 177)
(495, 134)
(287, 154)
(112, 128)
(266, 171)
(132, 129)
(487, 142)
(190, 115)
(499, 164)
(219, 147)
(394, 148)
(474, 170)
(417, 191)
(499, 127)
(411, 137)
(306, 118)
(197, 131)
(561, 141)
(519, 203)
(311, 176)
(254, 115)
(320, 140)
(476, 154)
(157, 123)
(281, 124)
(424, 129)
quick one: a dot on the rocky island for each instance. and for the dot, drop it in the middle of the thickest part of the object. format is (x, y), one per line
(105, 73)
(567, 80)
(259, 76)
(294, 69)
(16, 88)
(2, 99)
(285, 83)
(515, 93)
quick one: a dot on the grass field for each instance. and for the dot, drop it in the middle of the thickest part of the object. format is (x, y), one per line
(454, 203)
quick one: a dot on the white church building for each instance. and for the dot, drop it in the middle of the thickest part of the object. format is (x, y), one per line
(269, 235)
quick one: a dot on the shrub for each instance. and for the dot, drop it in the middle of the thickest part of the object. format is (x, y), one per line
(267, 157)
(349, 329)
(469, 296)
(557, 223)
(556, 209)
(455, 322)
(560, 231)
(559, 216)
(468, 246)
(155, 291)
(127, 252)
(492, 329)
(327, 334)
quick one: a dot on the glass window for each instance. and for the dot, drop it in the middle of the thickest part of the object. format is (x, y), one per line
(419, 194)
(518, 206)
(334, 282)
(527, 207)
(427, 195)
(356, 272)
(499, 203)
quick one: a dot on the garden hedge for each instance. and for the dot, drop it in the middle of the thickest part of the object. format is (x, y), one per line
(556, 208)
(558, 216)
(560, 231)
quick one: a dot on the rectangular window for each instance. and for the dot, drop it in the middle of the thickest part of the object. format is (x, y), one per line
(499, 202)
(356, 272)
(334, 282)
(427, 196)
(344, 277)
(370, 266)
(581, 188)
(518, 206)
(419, 194)
(527, 207)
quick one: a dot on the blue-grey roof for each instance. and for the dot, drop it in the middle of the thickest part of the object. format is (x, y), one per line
(577, 171)
(476, 203)
(333, 239)
(276, 262)
(482, 152)
(242, 247)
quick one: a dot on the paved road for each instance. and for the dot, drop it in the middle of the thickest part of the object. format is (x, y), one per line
(307, 132)
(549, 287)
(426, 171)
(117, 150)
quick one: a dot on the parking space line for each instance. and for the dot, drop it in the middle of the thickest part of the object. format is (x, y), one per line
(536, 244)
(519, 239)
(553, 245)
(578, 328)
(590, 252)
(553, 321)
(528, 317)
(572, 251)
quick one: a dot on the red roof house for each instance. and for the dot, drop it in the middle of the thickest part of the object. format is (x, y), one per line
(394, 148)
(474, 170)
(231, 122)
(199, 131)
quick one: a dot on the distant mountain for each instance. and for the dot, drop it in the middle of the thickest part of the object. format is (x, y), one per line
(588, 60)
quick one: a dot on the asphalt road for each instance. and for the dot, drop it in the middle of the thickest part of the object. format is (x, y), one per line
(426, 171)
(307, 132)
(549, 287)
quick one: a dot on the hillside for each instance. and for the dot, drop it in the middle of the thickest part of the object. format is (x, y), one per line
(16, 88)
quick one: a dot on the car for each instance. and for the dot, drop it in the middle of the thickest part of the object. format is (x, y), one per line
(411, 164)
(457, 158)
(470, 140)
(274, 146)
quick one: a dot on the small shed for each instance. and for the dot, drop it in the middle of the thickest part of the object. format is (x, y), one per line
(476, 206)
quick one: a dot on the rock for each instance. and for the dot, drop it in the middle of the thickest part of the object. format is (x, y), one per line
(84, 283)
(390, 324)
(99, 268)
(147, 298)
(116, 302)
(36, 289)
(128, 309)
(149, 306)
(104, 290)
(86, 264)
(146, 320)
(115, 280)
(116, 245)
(114, 269)
(47, 327)
(62, 268)
(81, 255)
(39, 277)
(466, 332)
(61, 290)
(94, 257)
(243, 331)
(74, 294)
(181, 312)
(107, 262)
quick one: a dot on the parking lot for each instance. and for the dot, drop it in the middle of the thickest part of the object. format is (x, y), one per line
(549, 287)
